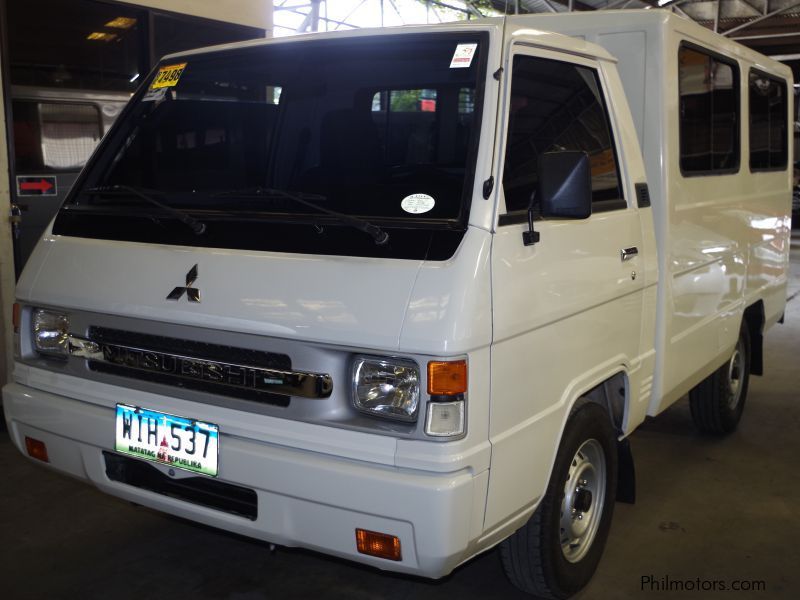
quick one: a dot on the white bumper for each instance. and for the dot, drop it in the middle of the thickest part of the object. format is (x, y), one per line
(306, 498)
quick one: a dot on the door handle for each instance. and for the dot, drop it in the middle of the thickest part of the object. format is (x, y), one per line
(628, 253)
(15, 214)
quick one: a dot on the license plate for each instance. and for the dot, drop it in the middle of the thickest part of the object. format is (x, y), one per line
(175, 441)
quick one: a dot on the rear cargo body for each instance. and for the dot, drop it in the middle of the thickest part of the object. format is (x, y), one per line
(729, 230)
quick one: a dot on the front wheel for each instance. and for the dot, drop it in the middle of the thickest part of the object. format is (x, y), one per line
(718, 401)
(556, 553)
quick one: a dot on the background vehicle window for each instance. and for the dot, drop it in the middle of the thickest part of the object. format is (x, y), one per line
(49, 47)
(109, 47)
(54, 136)
(557, 106)
(709, 113)
(175, 33)
(768, 131)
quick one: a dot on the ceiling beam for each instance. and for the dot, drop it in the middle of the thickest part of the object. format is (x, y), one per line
(766, 36)
(575, 5)
(763, 18)
(785, 57)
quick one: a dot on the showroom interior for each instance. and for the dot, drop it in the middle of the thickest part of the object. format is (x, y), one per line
(705, 504)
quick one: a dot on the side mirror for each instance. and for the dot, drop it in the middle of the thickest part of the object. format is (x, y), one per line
(565, 185)
(564, 190)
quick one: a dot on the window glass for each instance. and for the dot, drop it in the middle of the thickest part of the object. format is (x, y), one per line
(556, 106)
(466, 101)
(424, 125)
(70, 133)
(52, 136)
(104, 48)
(768, 131)
(175, 33)
(356, 125)
(709, 113)
(49, 46)
(407, 131)
(405, 101)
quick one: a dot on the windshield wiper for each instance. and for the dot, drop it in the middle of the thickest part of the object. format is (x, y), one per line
(377, 234)
(198, 227)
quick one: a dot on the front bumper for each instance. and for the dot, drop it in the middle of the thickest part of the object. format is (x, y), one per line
(309, 498)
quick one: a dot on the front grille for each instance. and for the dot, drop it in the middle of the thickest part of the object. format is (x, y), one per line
(196, 350)
(203, 350)
(225, 497)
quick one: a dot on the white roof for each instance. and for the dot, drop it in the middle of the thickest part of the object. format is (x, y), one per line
(522, 25)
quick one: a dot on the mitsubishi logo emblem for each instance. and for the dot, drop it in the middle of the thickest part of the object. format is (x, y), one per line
(192, 293)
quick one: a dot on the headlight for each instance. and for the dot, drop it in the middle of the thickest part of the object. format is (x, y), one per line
(51, 333)
(386, 387)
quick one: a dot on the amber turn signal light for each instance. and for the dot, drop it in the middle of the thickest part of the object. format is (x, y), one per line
(36, 449)
(15, 316)
(377, 544)
(447, 378)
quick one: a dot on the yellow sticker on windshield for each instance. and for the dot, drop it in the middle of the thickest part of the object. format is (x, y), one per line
(168, 76)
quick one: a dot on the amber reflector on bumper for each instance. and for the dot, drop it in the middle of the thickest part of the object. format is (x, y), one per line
(36, 449)
(15, 317)
(447, 378)
(378, 544)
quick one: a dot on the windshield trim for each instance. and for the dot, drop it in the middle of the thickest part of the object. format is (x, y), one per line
(206, 214)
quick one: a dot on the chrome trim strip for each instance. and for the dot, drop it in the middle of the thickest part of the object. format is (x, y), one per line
(287, 383)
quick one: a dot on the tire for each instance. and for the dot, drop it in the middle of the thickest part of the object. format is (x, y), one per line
(717, 402)
(533, 557)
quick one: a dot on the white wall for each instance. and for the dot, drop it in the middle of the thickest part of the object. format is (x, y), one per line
(6, 254)
(255, 13)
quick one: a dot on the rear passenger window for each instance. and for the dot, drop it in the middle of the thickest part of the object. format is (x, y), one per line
(557, 106)
(424, 126)
(768, 114)
(709, 113)
(404, 101)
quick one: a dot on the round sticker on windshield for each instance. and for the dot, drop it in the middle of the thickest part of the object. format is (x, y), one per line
(416, 204)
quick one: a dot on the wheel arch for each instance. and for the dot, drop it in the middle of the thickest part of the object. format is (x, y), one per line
(532, 446)
(754, 319)
(613, 395)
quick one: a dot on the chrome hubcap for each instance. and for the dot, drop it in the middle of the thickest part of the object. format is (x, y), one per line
(735, 367)
(584, 497)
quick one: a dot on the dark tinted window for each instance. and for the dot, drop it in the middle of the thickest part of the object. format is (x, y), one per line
(768, 113)
(245, 139)
(54, 136)
(556, 106)
(709, 112)
(82, 44)
(360, 124)
(73, 44)
(424, 126)
(175, 33)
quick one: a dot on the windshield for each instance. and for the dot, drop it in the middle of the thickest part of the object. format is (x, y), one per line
(384, 128)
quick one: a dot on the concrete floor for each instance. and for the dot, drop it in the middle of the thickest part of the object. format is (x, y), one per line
(714, 509)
